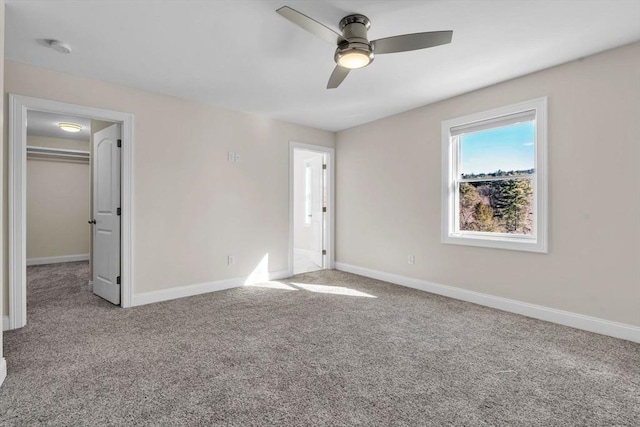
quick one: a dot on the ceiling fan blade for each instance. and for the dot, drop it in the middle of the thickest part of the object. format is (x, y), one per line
(409, 42)
(311, 25)
(338, 75)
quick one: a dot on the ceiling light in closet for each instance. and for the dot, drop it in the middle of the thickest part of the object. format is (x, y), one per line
(70, 127)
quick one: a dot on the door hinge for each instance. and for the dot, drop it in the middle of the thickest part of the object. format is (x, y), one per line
(324, 166)
(324, 209)
(119, 143)
(118, 211)
(324, 252)
(118, 280)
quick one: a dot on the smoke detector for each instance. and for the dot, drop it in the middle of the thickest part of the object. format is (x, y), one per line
(59, 46)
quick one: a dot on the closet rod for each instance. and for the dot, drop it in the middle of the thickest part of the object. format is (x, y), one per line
(58, 152)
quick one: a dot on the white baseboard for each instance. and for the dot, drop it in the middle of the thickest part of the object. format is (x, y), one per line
(5, 323)
(90, 285)
(278, 275)
(197, 289)
(3, 369)
(57, 259)
(566, 318)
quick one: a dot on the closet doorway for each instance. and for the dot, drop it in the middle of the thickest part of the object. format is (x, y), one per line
(73, 167)
(69, 202)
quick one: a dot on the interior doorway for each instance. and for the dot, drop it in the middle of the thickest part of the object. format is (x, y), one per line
(73, 174)
(311, 208)
(91, 182)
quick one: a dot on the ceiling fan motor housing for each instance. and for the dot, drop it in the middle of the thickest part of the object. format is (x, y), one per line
(354, 29)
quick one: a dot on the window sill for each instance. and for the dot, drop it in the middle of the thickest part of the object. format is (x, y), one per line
(527, 244)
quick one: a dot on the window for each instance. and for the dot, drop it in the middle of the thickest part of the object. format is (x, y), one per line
(494, 178)
(307, 195)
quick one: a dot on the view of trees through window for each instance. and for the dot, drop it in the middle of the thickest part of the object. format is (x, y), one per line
(496, 180)
(499, 206)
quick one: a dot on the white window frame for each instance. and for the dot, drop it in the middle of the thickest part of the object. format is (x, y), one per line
(450, 166)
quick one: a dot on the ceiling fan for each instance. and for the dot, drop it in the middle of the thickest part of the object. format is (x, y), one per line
(354, 50)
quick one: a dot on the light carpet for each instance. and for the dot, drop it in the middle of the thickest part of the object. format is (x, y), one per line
(320, 349)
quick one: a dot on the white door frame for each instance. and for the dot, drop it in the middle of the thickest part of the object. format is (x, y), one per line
(18, 107)
(329, 229)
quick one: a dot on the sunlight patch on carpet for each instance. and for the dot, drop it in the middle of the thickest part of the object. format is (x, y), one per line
(271, 285)
(334, 290)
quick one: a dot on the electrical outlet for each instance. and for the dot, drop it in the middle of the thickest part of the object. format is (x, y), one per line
(231, 156)
(412, 259)
(231, 260)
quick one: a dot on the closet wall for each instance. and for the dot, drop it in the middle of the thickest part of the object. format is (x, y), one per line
(58, 202)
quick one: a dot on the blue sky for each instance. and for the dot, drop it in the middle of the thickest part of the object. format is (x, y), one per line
(506, 148)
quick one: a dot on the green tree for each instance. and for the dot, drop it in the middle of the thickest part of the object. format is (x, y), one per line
(468, 199)
(511, 200)
(483, 215)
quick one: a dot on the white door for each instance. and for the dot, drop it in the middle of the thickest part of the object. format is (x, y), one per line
(106, 218)
(317, 204)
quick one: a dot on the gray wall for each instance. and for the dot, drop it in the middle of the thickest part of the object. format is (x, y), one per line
(389, 193)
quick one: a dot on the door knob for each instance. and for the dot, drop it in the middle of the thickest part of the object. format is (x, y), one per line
(93, 221)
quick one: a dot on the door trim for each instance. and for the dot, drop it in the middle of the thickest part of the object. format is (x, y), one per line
(329, 229)
(18, 107)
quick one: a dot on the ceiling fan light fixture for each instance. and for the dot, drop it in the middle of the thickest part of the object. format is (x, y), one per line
(353, 57)
(354, 60)
(70, 127)
(355, 50)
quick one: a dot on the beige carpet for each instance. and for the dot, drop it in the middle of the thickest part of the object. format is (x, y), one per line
(322, 349)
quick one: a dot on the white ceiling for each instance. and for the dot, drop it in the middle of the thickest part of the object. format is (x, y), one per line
(243, 56)
(46, 124)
